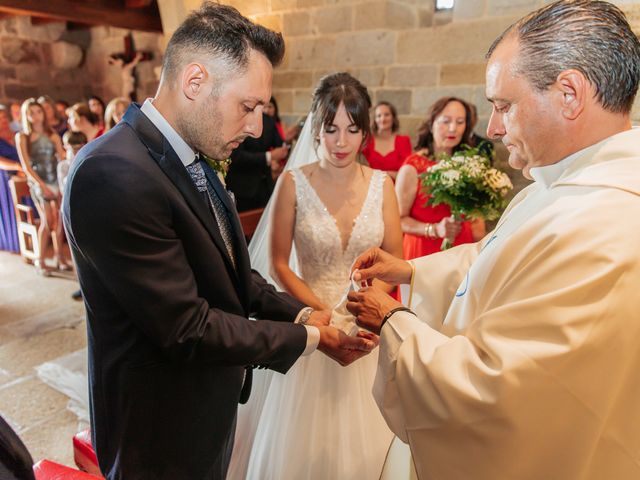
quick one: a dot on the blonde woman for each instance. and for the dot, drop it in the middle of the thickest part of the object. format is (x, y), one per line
(114, 112)
(39, 149)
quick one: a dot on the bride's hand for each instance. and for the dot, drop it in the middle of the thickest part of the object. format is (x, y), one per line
(319, 318)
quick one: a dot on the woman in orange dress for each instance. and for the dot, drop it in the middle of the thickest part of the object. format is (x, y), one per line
(448, 126)
(386, 150)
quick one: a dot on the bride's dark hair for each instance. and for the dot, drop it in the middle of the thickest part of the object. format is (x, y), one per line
(337, 88)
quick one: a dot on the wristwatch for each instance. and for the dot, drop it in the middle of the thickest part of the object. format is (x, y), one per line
(304, 315)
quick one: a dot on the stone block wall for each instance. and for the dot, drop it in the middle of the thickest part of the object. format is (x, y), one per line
(403, 50)
(27, 68)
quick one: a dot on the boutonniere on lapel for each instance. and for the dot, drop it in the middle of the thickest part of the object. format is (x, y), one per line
(221, 167)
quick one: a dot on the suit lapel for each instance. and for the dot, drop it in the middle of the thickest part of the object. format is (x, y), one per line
(168, 160)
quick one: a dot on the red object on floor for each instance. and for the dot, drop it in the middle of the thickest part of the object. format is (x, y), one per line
(84, 454)
(47, 470)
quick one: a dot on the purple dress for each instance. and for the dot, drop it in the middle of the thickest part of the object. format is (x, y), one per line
(8, 229)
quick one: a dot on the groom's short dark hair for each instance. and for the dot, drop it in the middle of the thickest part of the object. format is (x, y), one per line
(220, 31)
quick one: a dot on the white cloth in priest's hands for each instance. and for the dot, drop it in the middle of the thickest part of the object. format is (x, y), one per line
(341, 318)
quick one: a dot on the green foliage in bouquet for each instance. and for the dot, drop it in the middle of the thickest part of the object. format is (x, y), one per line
(468, 183)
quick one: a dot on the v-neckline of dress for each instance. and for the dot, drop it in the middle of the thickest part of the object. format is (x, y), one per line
(384, 155)
(343, 247)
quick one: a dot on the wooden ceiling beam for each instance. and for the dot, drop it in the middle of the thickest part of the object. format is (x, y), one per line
(43, 20)
(92, 13)
(138, 3)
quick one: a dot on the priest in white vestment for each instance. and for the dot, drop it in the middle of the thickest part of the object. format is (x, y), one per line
(519, 357)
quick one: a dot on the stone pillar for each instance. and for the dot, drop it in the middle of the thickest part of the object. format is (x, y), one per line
(172, 13)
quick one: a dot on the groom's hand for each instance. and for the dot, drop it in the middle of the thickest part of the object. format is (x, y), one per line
(342, 348)
(376, 263)
(369, 306)
(319, 318)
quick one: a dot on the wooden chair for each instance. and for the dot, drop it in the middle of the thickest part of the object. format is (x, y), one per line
(25, 220)
(249, 221)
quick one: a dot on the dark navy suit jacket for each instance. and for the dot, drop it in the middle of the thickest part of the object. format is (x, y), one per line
(167, 313)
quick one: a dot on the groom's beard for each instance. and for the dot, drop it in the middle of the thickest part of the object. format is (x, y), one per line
(202, 130)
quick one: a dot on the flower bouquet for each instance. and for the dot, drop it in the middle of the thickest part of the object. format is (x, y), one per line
(468, 183)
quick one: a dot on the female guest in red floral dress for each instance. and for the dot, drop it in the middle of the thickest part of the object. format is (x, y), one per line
(447, 127)
(386, 150)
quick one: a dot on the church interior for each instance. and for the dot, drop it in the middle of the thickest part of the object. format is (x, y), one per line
(88, 60)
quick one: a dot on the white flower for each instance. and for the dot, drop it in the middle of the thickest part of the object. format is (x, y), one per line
(473, 169)
(450, 177)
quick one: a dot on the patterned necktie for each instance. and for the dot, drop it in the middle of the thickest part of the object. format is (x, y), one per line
(220, 212)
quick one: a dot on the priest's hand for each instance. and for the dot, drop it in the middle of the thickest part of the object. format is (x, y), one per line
(376, 263)
(341, 347)
(369, 306)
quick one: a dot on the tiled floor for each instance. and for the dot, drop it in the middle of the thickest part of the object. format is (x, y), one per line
(38, 322)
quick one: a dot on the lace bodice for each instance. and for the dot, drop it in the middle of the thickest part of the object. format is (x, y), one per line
(323, 263)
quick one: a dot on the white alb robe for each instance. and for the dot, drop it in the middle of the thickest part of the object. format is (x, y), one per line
(526, 364)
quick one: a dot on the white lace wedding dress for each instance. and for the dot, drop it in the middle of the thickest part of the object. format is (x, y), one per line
(319, 421)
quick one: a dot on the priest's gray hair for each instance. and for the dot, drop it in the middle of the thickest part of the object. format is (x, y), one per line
(590, 36)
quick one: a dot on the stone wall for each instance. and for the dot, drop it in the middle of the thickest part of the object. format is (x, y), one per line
(403, 50)
(29, 64)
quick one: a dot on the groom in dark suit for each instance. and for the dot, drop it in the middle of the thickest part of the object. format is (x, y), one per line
(164, 269)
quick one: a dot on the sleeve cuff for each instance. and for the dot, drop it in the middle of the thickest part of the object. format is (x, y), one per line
(413, 274)
(304, 311)
(313, 339)
(402, 324)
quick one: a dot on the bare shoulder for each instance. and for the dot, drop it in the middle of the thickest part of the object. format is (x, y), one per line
(309, 168)
(285, 187)
(367, 172)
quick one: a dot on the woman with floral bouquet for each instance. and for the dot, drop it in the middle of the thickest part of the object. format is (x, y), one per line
(447, 128)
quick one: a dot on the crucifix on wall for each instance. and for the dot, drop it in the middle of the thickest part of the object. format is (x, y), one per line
(127, 61)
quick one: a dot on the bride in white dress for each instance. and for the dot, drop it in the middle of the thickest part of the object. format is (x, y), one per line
(320, 421)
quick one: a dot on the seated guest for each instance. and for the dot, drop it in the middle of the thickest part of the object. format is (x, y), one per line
(57, 123)
(97, 106)
(255, 165)
(16, 117)
(61, 108)
(72, 142)
(115, 111)
(9, 164)
(448, 126)
(39, 149)
(386, 150)
(82, 119)
(287, 134)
